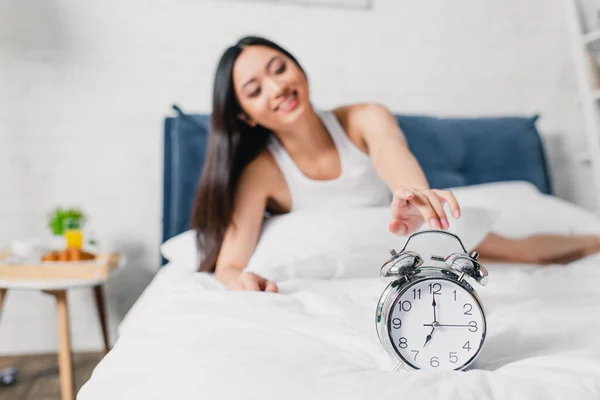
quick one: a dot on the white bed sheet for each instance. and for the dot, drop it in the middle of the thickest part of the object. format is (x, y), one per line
(187, 338)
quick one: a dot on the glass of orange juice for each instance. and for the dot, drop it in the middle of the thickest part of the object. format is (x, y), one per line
(73, 232)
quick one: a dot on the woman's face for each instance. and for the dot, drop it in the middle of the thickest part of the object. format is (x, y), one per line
(270, 87)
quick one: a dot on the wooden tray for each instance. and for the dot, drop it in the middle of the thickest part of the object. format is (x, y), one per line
(99, 268)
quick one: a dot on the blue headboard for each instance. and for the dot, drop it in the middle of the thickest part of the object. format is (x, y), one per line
(453, 152)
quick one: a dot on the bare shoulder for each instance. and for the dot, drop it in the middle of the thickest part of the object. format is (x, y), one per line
(357, 119)
(354, 116)
(262, 180)
(261, 172)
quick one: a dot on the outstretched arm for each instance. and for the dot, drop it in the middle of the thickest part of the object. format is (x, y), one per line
(413, 200)
(388, 147)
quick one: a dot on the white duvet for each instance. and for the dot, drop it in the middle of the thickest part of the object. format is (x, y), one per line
(188, 338)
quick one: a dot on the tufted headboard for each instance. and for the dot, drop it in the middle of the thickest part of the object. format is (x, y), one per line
(452, 152)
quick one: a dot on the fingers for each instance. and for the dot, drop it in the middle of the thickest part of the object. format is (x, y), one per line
(271, 287)
(438, 208)
(448, 196)
(401, 196)
(421, 201)
(266, 286)
(394, 226)
(429, 203)
(250, 281)
(397, 227)
(235, 284)
(405, 194)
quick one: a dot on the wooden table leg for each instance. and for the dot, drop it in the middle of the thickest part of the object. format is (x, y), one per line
(101, 307)
(65, 366)
(2, 294)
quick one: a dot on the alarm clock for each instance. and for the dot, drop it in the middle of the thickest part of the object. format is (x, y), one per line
(429, 316)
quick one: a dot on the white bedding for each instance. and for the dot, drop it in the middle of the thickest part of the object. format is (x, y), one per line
(188, 338)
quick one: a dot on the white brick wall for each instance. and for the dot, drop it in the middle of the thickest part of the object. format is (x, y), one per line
(84, 87)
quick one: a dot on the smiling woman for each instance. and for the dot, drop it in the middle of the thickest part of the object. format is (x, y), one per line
(242, 88)
(269, 149)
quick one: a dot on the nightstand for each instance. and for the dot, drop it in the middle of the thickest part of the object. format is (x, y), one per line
(55, 279)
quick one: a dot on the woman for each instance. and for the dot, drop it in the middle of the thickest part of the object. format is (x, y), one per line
(268, 149)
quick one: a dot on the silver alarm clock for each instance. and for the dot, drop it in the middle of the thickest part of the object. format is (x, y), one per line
(429, 316)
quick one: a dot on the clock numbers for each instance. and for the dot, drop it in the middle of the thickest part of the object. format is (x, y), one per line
(453, 357)
(470, 308)
(403, 343)
(456, 314)
(416, 354)
(435, 288)
(405, 305)
(415, 293)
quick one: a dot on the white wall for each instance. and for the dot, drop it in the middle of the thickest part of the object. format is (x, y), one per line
(84, 88)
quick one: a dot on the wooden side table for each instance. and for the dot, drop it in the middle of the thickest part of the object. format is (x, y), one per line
(55, 279)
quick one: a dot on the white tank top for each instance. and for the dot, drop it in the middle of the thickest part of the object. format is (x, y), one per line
(359, 184)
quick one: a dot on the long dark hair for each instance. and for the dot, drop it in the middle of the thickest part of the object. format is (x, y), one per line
(232, 144)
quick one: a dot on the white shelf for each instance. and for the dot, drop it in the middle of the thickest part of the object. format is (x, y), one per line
(585, 48)
(591, 36)
(592, 40)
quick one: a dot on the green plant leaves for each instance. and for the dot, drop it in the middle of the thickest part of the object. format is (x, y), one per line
(58, 217)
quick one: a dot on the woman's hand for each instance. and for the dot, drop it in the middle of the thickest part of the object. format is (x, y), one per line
(250, 281)
(410, 207)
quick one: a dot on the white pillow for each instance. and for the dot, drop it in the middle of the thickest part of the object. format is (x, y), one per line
(182, 251)
(277, 246)
(345, 243)
(327, 244)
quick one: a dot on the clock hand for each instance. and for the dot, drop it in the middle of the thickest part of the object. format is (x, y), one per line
(429, 336)
(434, 304)
(446, 325)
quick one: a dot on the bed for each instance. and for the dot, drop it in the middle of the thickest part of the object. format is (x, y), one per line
(187, 338)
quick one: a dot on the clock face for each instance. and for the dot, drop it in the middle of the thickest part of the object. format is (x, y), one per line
(436, 324)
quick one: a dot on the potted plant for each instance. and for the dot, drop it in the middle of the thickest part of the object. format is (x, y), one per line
(68, 221)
